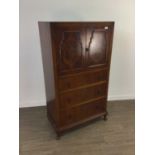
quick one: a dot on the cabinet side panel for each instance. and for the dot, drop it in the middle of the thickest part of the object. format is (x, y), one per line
(110, 52)
(46, 47)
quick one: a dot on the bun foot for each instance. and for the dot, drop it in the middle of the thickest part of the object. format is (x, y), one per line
(105, 118)
(57, 136)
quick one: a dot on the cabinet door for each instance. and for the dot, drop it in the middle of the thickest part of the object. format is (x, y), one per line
(98, 42)
(69, 46)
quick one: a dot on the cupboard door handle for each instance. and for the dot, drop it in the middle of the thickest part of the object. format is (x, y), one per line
(87, 49)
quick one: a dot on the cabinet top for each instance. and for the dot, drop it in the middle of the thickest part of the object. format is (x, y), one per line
(109, 22)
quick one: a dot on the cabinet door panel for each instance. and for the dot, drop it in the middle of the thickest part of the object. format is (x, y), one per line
(98, 45)
(69, 46)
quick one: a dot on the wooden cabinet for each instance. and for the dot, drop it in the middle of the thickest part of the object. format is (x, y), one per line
(76, 61)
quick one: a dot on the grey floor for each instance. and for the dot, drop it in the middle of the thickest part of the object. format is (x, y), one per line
(113, 137)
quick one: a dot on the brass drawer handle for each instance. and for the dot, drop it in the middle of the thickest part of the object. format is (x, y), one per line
(98, 92)
(96, 106)
(99, 77)
(69, 116)
(68, 100)
(68, 85)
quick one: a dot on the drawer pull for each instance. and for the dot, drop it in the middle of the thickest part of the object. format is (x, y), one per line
(68, 100)
(99, 78)
(98, 92)
(69, 116)
(96, 107)
(68, 85)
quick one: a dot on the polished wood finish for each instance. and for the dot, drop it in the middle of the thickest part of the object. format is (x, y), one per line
(113, 137)
(81, 54)
(77, 80)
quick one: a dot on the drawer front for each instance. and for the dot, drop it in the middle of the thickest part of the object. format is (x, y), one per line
(69, 116)
(78, 80)
(82, 96)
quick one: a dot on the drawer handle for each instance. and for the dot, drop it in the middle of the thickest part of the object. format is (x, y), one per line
(106, 27)
(68, 85)
(69, 116)
(98, 92)
(99, 78)
(68, 100)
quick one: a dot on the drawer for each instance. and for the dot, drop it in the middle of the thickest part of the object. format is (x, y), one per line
(77, 80)
(82, 96)
(74, 115)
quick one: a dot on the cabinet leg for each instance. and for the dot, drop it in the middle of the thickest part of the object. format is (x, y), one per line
(58, 136)
(104, 117)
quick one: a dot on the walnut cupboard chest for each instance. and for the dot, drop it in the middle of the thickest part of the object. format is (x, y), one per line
(76, 60)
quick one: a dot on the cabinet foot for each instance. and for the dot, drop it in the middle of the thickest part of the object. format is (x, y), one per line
(104, 117)
(58, 136)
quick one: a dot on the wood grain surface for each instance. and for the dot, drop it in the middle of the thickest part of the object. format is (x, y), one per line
(81, 53)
